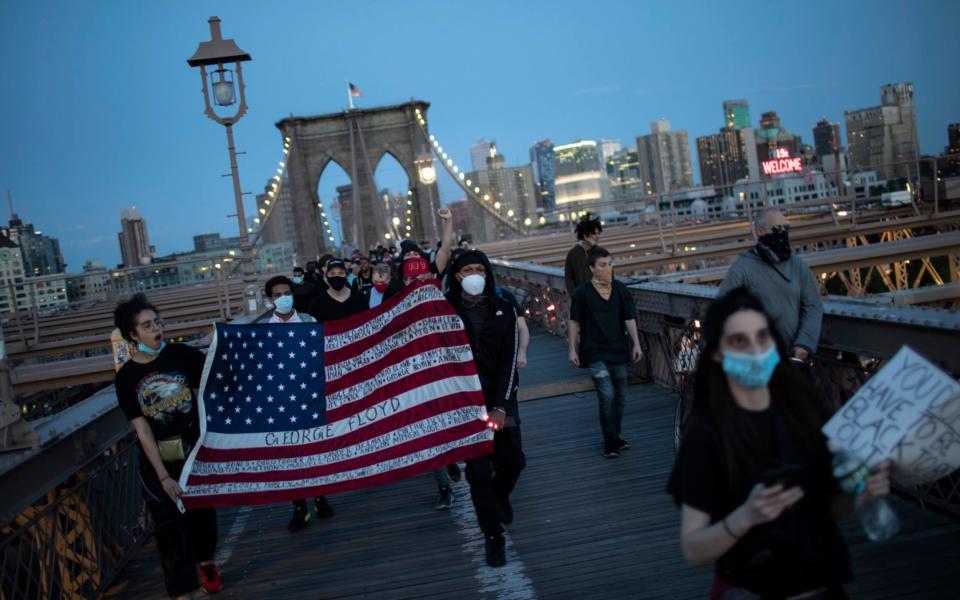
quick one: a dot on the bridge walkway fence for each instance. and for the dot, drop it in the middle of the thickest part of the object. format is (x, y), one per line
(856, 339)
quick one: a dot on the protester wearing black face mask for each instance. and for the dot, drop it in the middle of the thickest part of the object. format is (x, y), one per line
(338, 300)
(782, 282)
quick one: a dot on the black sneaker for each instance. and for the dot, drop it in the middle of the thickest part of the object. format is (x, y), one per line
(622, 444)
(610, 452)
(324, 510)
(496, 550)
(445, 501)
(453, 470)
(506, 511)
(301, 516)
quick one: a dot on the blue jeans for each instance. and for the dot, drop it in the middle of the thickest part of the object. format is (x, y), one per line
(611, 383)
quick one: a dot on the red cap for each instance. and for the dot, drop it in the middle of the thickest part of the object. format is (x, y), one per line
(415, 266)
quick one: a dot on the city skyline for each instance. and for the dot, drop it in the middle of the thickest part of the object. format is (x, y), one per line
(119, 122)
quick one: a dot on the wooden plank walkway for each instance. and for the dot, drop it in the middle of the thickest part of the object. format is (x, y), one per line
(586, 527)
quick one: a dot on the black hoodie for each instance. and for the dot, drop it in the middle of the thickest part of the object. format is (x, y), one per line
(495, 348)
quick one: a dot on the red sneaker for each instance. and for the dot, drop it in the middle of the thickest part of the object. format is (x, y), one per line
(210, 578)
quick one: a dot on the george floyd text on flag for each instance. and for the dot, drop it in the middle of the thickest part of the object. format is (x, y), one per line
(908, 411)
(289, 411)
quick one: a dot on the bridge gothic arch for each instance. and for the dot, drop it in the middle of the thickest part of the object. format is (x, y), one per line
(357, 140)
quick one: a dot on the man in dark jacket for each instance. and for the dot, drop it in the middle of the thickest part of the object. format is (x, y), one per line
(491, 325)
(576, 271)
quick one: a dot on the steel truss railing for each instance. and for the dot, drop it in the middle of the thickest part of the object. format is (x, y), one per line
(856, 339)
(72, 544)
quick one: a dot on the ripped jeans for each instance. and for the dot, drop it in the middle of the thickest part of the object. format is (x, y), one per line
(611, 382)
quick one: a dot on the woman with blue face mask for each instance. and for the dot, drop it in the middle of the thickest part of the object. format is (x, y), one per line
(753, 475)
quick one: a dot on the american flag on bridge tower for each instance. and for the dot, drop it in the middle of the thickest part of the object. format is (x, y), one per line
(289, 411)
(354, 91)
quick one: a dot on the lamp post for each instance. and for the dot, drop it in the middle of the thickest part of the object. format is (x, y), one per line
(216, 53)
(428, 176)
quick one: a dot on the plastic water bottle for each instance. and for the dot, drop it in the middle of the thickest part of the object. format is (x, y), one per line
(878, 518)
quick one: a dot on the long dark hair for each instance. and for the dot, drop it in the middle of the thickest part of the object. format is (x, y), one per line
(791, 394)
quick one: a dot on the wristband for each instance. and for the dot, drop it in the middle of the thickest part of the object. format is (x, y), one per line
(501, 410)
(728, 530)
(166, 478)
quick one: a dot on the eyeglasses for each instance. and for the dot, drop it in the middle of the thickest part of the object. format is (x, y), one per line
(152, 324)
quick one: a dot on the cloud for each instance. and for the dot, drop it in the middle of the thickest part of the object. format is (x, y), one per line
(603, 90)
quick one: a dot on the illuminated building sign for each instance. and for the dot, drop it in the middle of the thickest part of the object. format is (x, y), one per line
(782, 162)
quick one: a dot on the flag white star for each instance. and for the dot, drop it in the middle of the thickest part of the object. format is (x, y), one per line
(259, 410)
(253, 334)
(293, 376)
(293, 398)
(303, 344)
(226, 334)
(219, 375)
(259, 344)
(280, 387)
(290, 333)
(315, 415)
(313, 354)
(270, 420)
(269, 334)
(209, 418)
(243, 345)
(248, 421)
(228, 421)
(259, 366)
(279, 365)
(248, 399)
(314, 395)
(213, 395)
(281, 408)
(259, 388)
(269, 398)
(250, 356)
(303, 365)
(291, 355)
(250, 377)
(303, 407)
(220, 408)
(230, 345)
(237, 410)
(293, 419)
(313, 333)
(279, 344)
(303, 386)
(269, 377)
(313, 375)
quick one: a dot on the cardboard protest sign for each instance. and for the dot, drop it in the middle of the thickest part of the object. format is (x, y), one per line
(908, 411)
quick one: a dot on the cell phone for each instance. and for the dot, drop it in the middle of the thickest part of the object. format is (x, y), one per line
(788, 475)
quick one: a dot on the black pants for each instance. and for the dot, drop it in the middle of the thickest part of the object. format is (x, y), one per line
(183, 539)
(494, 476)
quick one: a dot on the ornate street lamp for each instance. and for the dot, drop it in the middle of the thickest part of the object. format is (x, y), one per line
(222, 54)
(427, 174)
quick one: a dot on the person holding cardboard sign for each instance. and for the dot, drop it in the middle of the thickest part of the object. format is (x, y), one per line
(753, 475)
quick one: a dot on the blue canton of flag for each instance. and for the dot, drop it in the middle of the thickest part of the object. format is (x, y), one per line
(264, 378)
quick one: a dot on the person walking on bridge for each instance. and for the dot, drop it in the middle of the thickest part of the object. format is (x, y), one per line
(491, 325)
(782, 282)
(576, 271)
(601, 318)
(157, 392)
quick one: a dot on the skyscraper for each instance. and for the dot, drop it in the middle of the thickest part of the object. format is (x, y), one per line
(723, 157)
(41, 253)
(608, 148)
(664, 158)
(772, 136)
(511, 192)
(826, 136)
(541, 159)
(480, 152)
(736, 114)
(135, 248)
(579, 175)
(884, 138)
(623, 171)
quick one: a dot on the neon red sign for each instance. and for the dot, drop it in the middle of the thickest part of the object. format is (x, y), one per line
(782, 162)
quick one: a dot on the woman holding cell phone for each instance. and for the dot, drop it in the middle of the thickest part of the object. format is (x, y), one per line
(753, 475)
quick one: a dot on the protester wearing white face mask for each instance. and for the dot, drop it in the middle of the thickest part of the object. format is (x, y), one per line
(491, 325)
(279, 290)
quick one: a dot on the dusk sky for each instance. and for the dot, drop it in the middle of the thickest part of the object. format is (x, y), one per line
(101, 112)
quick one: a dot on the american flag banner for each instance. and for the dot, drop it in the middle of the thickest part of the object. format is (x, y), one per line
(290, 411)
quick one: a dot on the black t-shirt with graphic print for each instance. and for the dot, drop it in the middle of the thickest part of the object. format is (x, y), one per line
(162, 392)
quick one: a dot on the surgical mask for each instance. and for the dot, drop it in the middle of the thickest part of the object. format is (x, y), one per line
(380, 286)
(297, 280)
(590, 241)
(150, 351)
(474, 284)
(337, 283)
(751, 370)
(283, 304)
(778, 242)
